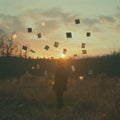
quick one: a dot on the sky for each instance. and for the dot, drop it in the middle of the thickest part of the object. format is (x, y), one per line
(56, 17)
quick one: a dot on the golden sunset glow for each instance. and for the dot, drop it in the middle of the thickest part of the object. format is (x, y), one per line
(59, 59)
(62, 55)
(53, 19)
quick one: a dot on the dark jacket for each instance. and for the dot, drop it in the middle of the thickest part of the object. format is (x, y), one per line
(61, 77)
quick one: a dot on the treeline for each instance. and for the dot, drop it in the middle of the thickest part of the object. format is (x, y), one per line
(16, 67)
(108, 64)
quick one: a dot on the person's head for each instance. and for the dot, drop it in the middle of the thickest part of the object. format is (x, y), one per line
(60, 62)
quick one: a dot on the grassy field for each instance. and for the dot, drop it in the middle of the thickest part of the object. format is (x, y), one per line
(32, 98)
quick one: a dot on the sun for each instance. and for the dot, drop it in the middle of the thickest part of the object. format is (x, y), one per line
(62, 55)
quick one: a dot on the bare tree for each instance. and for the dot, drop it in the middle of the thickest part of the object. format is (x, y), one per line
(7, 48)
(3, 38)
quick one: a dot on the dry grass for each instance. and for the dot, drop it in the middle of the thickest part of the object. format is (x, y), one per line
(33, 99)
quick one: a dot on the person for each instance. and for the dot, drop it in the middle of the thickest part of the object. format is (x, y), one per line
(60, 83)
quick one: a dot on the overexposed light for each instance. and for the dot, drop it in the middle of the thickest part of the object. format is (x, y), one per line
(81, 77)
(52, 82)
(43, 23)
(62, 55)
(33, 68)
(13, 36)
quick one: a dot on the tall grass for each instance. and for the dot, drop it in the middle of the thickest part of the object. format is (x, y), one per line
(31, 98)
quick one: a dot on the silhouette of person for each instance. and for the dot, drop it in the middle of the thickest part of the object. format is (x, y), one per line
(60, 85)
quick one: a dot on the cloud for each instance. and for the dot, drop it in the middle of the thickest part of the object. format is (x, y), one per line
(54, 16)
(117, 27)
(118, 7)
(10, 23)
(91, 24)
(107, 19)
(55, 19)
(90, 21)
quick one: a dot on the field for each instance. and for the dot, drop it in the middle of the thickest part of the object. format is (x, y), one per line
(32, 98)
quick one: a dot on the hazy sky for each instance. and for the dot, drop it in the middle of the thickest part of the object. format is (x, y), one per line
(53, 18)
